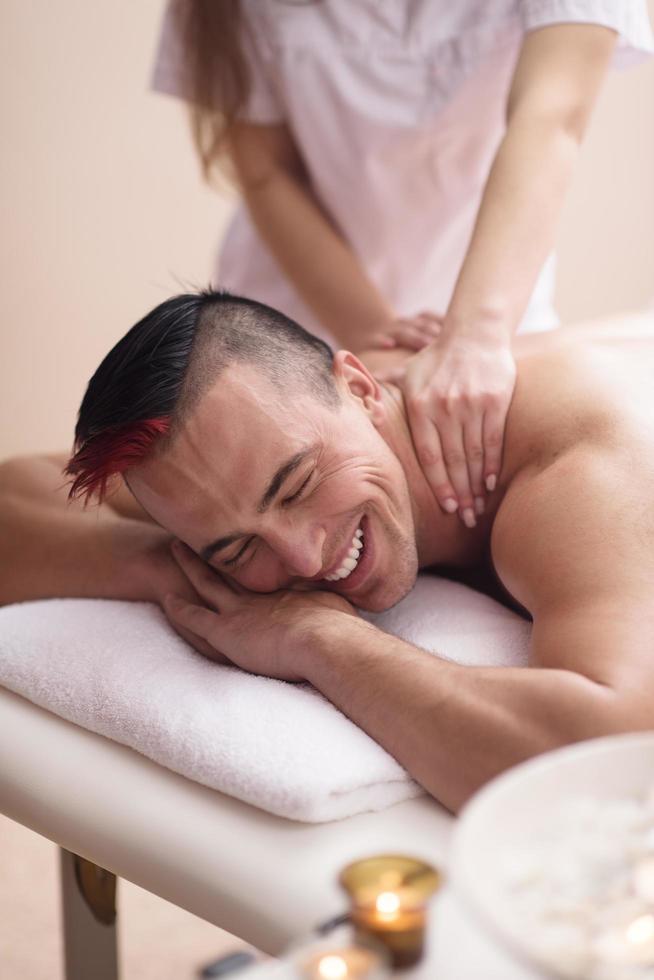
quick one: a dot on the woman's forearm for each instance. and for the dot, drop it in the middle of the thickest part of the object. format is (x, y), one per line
(515, 228)
(325, 272)
(554, 89)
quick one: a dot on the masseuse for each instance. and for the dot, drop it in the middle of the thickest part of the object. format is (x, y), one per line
(399, 158)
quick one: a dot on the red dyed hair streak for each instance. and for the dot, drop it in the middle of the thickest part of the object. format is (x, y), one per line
(110, 453)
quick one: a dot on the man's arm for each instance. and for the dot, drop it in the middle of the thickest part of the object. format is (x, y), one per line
(575, 544)
(453, 727)
(571, 557)
(50, 547)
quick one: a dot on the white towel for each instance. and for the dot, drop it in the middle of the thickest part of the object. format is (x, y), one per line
(119, 669)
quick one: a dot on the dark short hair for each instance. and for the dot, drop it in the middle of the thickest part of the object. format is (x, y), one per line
(152, 379)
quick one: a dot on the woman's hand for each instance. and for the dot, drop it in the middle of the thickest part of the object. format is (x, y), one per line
(457, 394)
(265, 634)
(408, 332)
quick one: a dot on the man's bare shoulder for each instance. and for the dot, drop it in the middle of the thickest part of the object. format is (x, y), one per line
(579, 528)
(574, 544)
(597, 392)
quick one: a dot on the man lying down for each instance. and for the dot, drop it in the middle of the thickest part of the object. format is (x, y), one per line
(289, 484)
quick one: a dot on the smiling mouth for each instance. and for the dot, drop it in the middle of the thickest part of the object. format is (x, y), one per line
(351, 560)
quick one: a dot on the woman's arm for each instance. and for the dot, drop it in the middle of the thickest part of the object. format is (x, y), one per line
(458, 389)
(554, 88)
(310, 250)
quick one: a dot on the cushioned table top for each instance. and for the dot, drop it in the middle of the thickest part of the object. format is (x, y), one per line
(261, 877)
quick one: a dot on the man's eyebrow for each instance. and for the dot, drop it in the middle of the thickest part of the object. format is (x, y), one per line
(278, 480)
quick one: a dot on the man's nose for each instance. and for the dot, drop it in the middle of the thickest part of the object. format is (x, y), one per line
(300, 550)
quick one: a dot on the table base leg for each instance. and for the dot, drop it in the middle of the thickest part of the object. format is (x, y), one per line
(89, 919)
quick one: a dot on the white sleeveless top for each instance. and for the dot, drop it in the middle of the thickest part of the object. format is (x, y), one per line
(397, 109)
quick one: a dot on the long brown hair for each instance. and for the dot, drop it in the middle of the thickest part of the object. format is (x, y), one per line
(217, 73)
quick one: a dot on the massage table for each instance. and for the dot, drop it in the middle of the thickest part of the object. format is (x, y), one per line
(238, 798)
(265, 879)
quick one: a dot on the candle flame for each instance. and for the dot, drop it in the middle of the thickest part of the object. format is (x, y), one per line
(641, 929)
(332, 968)
(387, 902)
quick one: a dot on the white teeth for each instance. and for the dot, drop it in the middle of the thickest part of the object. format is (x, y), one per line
(351, 561)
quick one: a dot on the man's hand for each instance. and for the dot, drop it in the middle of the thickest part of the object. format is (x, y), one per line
(155, 574)
(264, 634)
(457, 394)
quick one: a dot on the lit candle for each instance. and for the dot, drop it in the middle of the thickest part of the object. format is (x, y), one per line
(389, 896)
(348, 963)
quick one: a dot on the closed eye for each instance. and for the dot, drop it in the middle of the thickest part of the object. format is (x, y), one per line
(285, 502)
(232, 561)
(298, 492)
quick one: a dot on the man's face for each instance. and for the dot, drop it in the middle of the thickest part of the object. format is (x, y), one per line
(276, 491)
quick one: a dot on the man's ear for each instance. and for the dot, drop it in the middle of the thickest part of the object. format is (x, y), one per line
(354, 377)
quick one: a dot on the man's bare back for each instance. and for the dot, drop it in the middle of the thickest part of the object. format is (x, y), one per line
(581, 390)
(579, 447)
(570, 527)
(573, 527)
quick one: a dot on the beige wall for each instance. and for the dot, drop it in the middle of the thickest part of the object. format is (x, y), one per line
(104, 214)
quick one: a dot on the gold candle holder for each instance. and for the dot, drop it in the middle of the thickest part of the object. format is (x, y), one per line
(389, 895)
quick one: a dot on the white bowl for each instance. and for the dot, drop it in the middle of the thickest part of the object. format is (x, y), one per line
(515, 807)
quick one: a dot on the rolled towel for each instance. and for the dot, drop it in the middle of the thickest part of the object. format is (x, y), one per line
(118, 668)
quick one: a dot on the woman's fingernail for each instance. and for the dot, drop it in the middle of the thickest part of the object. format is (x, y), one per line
(491, 482)
(450, 506)
(480, 506)
(468, 516)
